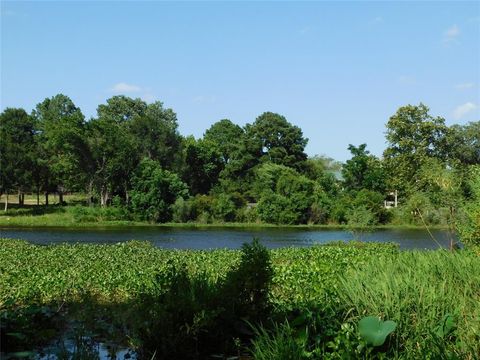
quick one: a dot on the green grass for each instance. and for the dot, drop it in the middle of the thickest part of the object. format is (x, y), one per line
(413, 288)
(417, 290)
(85, 217)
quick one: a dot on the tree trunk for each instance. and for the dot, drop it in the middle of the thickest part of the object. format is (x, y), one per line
(6, 201)
(60, 197)
(38, 196)
(46, 198)
(127, 197)
(103, 197)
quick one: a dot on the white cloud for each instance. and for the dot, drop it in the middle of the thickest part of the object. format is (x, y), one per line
(451, 34)
(462, 110)
(464, 86)
(125, 88)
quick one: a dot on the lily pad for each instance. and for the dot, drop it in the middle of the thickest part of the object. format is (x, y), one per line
(375, 331)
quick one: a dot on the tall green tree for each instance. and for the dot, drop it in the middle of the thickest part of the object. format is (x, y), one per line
(277, 140)
(226, 136)
(271, 138)
(114, 154)
(363, 170)
(61, 136)
(156, 133)
(413, 136)
(17, 151)
(122, 109)
(464, 143)
(203, 164)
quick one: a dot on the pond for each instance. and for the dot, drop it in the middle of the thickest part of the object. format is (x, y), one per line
(227, 237)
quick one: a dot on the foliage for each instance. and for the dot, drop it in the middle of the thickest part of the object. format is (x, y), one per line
(416, 290)
(278, 344)
(464, 143)
(84, 214)
(17, 149)
(375, 331)
(324, 291)
(262, 164)
(468, 226)
(156, 135)
(363, 171)
(226, 136)
(280, 142)
(285, 196)
(224, 208)
(203, 165)
(61, 139)
(155, 191)
(413, 136)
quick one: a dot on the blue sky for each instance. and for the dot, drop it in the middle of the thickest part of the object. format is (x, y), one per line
(336, 69)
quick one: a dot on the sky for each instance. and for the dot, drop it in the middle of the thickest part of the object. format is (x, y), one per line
(338, 70)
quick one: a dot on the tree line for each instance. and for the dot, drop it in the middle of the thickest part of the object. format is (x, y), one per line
(131, 156)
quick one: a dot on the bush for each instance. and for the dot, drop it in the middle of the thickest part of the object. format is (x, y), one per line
(468, 226)
(86, 214)
(182, 211)
(155, 191)
(192, 316)
(224, 208)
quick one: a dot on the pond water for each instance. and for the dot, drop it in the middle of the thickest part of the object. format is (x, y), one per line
(223, 237)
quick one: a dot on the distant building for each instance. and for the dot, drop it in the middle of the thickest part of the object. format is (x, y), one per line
(392, 200)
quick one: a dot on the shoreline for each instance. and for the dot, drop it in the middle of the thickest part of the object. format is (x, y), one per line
(107, 225)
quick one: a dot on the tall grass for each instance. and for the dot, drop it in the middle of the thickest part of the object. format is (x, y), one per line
(417, 289)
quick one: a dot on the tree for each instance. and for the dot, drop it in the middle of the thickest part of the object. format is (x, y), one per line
(226, 136)
(413, 136)
(203, 164)
(122, 109)
(464, 143)
(277, 140)
(156, 132)
(155, 191)
(271, 138)
(363, 170)
(284, 195)
(114, 158)
(468, 226)
(61, 135)
(16, 151)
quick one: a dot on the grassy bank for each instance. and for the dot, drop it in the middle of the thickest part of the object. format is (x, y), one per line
(84, 217)
(322, 291)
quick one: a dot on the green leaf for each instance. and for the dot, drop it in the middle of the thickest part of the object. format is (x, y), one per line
(375, 331)
(446, 326)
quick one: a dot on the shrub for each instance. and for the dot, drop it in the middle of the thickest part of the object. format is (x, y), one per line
(182, 211)
(224, 208)
(155, 191)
